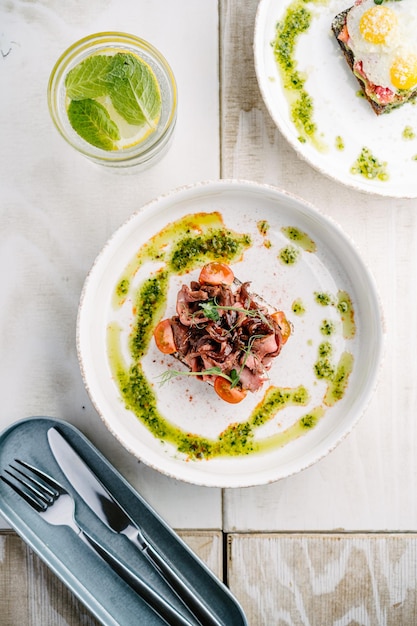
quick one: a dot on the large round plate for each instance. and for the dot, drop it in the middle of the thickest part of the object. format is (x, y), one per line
(192, 405)
(338, 111)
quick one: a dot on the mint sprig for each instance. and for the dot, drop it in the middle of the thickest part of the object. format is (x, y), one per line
(123, 80)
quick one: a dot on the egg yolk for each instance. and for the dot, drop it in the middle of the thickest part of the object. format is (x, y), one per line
(403, 72)
(376, 24)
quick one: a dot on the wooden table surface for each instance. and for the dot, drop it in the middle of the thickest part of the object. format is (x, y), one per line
(335, 544)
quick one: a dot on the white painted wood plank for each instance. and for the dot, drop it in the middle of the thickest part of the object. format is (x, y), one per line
(57, 209)
(208, 545)
(369, 481)
(316, 580)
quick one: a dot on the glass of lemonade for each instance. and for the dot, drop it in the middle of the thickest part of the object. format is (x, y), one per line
(113, 97)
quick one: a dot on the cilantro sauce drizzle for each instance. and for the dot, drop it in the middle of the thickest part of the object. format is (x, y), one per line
(295, 22)
(180, 247)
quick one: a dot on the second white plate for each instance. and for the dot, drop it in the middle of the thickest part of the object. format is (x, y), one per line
(340, 115)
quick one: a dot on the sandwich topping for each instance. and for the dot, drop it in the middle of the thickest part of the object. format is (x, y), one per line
(381, 37)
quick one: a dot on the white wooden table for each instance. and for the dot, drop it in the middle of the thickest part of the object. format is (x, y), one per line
(335, 544)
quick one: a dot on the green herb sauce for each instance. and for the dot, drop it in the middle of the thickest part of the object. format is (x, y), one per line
(368, 166)
(324, 299)
(301, 238)
(237, 439)
(335, 374)
(180, 247)
(310, 419)
(121, 292)
(263, 227)
(150, 304)
(339, 143)
(408, 133)
(327, 328)
(184, 245)
(298, 307)
(347, 315)
(343, 304)
(289, 255)
(325, 349)
(295, 22)
(217, 244)
(338, 383)
(122, 288)
(324, 368)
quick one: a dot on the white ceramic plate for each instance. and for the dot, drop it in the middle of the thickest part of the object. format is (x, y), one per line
(338, 111)
(192, 405)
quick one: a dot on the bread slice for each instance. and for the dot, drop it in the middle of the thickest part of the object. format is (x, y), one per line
(367, 87)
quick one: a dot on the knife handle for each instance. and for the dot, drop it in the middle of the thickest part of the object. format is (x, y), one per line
(188, 597)
(162, 607)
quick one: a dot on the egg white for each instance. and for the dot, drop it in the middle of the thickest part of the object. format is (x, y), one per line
(377, 59)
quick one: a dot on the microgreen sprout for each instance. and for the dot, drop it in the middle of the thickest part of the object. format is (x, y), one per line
(210, 371)
(211, 311)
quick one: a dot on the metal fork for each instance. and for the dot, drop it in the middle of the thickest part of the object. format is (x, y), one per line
(56, 506)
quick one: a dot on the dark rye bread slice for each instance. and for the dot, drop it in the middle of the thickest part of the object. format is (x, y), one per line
(399, 99)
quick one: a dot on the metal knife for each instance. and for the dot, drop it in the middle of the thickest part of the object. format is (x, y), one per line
(109, 511)
(162, 607)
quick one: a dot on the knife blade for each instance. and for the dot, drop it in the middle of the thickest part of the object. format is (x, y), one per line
(109, 511)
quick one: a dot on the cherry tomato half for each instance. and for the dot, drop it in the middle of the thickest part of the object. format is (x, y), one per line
(216, 273)
(283, 323)
(164, 337)
(226, 392)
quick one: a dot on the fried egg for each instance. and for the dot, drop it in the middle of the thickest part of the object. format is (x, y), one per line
(383, 37)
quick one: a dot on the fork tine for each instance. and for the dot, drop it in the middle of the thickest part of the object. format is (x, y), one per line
(42, 481)
(28, 495)
(45, 477)
(36, 487)
(43, 492)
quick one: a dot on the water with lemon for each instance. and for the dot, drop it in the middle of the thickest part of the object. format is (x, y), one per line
(113, 100)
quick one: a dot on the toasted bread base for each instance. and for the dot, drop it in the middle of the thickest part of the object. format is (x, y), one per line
(337, 27)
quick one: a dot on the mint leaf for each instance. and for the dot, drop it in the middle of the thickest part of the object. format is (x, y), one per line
(92, 122)
(134, 90)
(88, 79)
